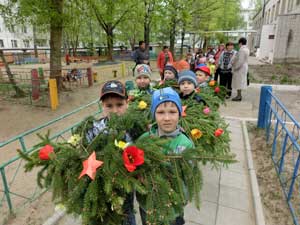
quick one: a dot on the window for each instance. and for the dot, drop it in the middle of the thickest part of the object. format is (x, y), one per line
(283, 4)
(14, 43)
(24, 29)
(41, 42)
(277, 10)
(26, 43)
(1, 43)
(273, 13)
(11, 28)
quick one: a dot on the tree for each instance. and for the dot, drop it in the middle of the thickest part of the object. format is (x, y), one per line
(109, 14)
(19, 91)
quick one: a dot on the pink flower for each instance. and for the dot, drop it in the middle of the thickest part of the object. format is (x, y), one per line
(206, 110)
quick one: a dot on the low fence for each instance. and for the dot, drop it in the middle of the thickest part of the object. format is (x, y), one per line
(18, 188)
(283, 133)
(34, 82)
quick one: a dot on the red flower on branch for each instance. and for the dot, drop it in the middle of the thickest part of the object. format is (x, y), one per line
(217, 90)
(45, 152)
(219, 132)
(133, 157)
(183, 114)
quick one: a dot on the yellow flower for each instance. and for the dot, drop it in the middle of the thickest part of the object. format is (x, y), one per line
(196, 133)
(121, 144)
(212, 83)
(74, 139)
(142, 105)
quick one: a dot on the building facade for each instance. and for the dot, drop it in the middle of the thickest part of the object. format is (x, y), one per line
(278, 31)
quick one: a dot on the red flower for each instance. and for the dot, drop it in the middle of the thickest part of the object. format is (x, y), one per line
(132, 157)
(183, 114)
(219, 132)
(217, 90)
(45, 152)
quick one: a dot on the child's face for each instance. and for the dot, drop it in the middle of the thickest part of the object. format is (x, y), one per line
(201, 76)
(167, 117)
(186, 87)
(114, 104)
(169, 75)
(142, 81)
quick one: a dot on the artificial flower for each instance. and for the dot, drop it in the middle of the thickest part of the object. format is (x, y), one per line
(142, 105)
(74, 139)
(217, 90)
(206, 110)
(196, 133)
(219, 132)
(132, 157)
(121, 144)
(212, 83)
(45, 152)
(183, 114)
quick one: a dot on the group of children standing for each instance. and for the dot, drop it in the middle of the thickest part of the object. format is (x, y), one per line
(166, 110)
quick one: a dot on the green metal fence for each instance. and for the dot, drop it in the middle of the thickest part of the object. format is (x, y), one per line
(8, 93)
(18, 188)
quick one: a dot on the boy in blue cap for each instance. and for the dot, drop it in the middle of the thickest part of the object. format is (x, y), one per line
(187, 82)
(166, 110)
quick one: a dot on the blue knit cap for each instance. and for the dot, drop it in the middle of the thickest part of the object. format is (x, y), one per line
(188, 75)
(165, 95)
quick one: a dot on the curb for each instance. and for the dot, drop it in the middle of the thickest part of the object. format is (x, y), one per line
(53, 220)
(257, 205)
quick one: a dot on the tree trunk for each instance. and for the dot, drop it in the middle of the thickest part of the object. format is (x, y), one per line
(110, 42)
(19, 91)
(172, 35)
(55, 43)
(34, 42)
(182, 41)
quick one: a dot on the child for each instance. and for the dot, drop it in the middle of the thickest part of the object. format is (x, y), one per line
(212, 67)
(113, 100)
(187, 84)
(170, 73)
(143, 79)
(166, 110)
(203, 75)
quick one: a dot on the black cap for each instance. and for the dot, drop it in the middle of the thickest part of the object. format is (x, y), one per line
(113, 87)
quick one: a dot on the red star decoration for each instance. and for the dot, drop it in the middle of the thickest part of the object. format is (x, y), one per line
(90, 166)
(183, 110)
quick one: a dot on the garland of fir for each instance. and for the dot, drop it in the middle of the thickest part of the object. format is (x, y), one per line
(163, 183)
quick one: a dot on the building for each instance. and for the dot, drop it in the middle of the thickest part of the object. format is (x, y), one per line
(278, 36)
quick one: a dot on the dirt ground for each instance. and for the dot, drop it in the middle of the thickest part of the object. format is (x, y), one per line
(17, 118)
(275, 74)
(275, 207)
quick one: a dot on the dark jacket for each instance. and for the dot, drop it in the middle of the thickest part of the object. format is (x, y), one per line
(140, 55)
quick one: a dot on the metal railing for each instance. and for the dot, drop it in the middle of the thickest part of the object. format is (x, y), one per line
(18, 188)
(283, 132)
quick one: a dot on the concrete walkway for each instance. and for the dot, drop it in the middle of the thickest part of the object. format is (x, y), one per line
(226, 195)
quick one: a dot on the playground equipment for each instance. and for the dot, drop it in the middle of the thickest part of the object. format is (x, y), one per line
(283, 132)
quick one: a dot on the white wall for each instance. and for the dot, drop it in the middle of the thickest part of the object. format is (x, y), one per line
(266, 44)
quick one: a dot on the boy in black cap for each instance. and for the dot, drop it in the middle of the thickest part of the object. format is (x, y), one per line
(113, 100)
